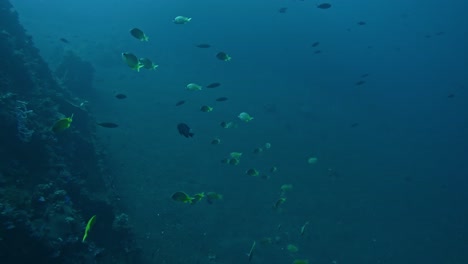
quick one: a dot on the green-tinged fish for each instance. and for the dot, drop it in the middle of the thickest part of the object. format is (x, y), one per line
(250, 254)
(215, 141)
(212, 196)
(236, 155)
(245, 117)
(223, 56)
(147, 64)
(89, 225)
(197, 197)
(252, 172)
(267, 145)
(138, 34)
(181, 20)
(292, 248)
(182, 197)
(227, 124)
(108, 124)
(62, 124)
(193, 87)
(258, 150)
(132, 61)
(273, 169)
(312, 160)
(279, 202)
(303, 228)
(266, 241)
(233, 161)
(286, 188)
(206, 108)
(301, 261)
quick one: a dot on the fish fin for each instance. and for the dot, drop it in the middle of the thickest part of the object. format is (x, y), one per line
(139, 66)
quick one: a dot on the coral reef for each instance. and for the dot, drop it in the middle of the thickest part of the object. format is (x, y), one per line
(51, 184)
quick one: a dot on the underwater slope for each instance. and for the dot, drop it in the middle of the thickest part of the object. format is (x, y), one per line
(52, 177)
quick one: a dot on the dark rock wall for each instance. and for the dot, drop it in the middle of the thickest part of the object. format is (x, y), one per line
(51, 183)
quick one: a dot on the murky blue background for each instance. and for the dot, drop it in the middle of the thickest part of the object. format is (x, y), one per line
(390, 184)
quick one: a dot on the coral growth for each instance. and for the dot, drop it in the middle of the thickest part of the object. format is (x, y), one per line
(50, 184)
(22, 113)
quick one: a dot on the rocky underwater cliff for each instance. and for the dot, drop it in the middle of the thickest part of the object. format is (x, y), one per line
(52, 183)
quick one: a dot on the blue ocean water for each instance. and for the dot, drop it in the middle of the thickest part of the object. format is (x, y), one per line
(381, 105)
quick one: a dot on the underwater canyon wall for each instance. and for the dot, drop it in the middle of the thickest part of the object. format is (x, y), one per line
(52, 183)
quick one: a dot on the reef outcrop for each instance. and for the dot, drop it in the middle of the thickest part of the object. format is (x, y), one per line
(52, 183)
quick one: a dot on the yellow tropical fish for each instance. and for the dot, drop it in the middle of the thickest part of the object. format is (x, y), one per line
(138, 34)
(132, 61)
(292, 248)
(62, 124)
(252, 172)
(197, 197)
(303, 228)
(286, 188)
(250, 254)
(236, 155)
(182, 197)
(279, 202)
(211, 196)
(90, 224)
